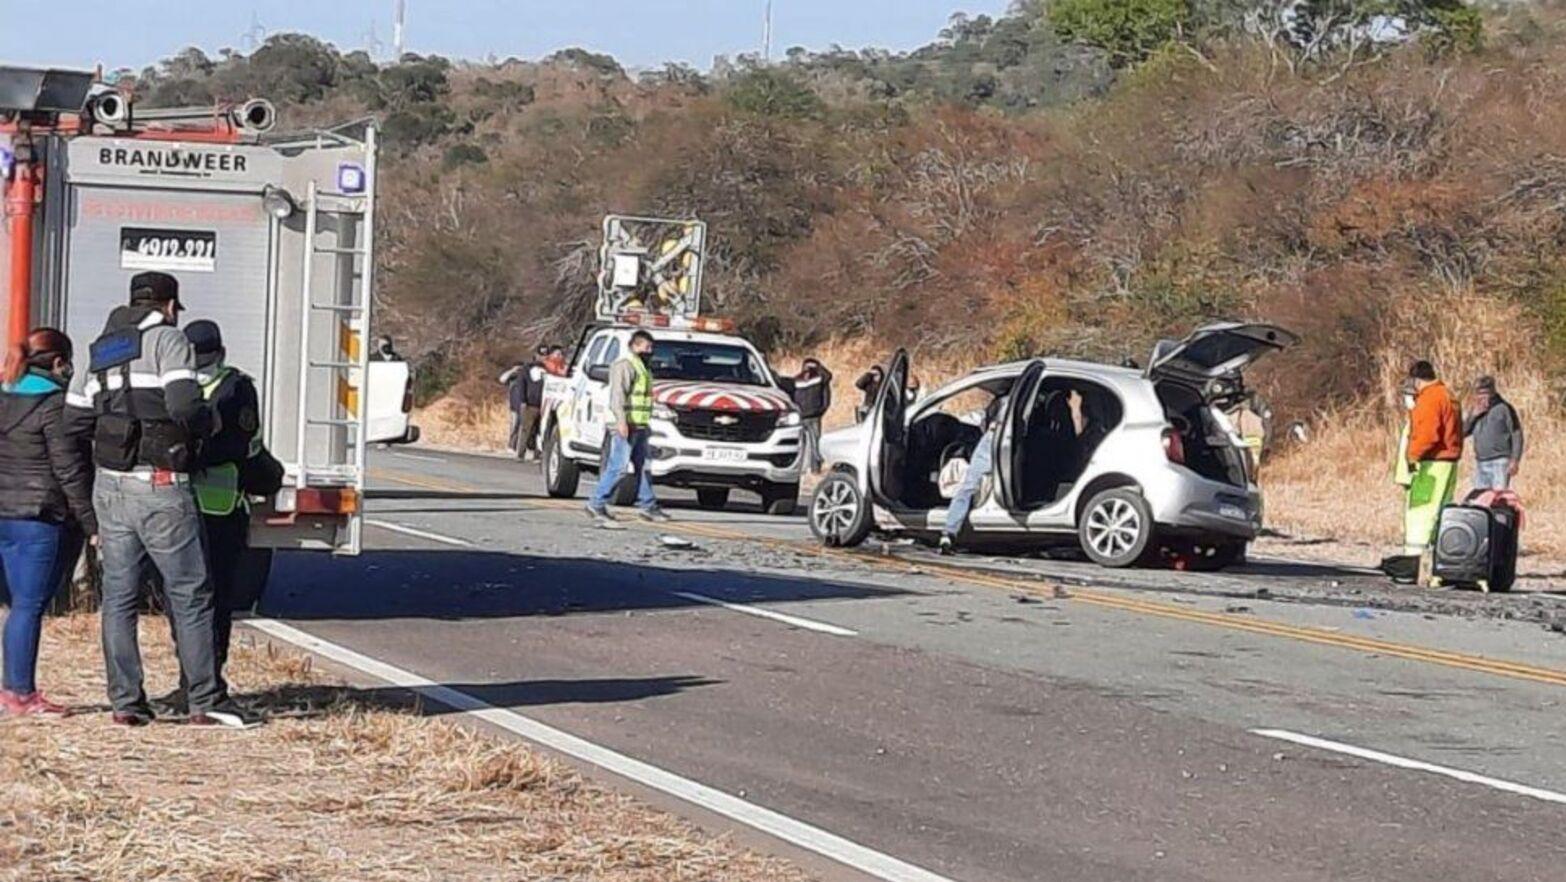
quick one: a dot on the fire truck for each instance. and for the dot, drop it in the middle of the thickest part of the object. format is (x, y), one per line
(721, 421)
(271, 235)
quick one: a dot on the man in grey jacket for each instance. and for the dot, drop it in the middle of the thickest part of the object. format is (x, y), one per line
(140, 404)
(1497, 437)
(630, 406)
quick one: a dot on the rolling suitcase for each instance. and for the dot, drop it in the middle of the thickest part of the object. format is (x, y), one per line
(1476, 546)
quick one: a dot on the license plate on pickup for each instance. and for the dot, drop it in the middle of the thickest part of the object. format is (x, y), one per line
(724, 454)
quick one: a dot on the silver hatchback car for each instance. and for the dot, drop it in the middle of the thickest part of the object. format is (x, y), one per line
(1126, 462)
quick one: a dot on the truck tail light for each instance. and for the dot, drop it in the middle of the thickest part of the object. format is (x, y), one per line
(407, 397)
(317, 500)
(1174, 445)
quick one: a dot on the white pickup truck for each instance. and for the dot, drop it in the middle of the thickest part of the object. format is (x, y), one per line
(720, 419)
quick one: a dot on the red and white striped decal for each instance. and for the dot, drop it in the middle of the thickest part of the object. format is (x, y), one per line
(714, 396)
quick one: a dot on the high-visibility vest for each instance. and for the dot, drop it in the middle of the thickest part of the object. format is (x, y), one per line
(217, 486)
(639, 413)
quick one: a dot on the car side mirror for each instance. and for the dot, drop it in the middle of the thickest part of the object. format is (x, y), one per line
(598, 373)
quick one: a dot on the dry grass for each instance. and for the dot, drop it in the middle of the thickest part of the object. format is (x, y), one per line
(481, 425)
(1339, 485)
(340, 786)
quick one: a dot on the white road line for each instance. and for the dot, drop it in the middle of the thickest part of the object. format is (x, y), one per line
(759, 612)
(422, 534)
(417, 456)
(799, 833)
(1417, 765)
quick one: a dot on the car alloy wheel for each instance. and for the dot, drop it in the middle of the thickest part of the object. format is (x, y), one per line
(834, 509)
(1114, 527)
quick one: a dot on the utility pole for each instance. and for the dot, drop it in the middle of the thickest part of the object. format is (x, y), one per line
(399, 31)
(766, 34)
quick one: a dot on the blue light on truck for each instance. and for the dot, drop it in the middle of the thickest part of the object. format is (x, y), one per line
(351, 178)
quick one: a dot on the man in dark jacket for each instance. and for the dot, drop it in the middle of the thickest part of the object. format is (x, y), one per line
(812, 393)
(869, 383)
(48, 484)
(526, 396)
(141, 405)
(1497, 436)
(233, 465)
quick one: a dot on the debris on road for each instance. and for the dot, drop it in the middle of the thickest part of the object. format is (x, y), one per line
(677, 542)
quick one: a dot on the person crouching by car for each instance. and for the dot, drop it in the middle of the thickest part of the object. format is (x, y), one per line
(48, 483)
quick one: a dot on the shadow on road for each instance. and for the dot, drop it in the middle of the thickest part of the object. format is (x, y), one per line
(383, 494)
(456, 585)
(305, 702)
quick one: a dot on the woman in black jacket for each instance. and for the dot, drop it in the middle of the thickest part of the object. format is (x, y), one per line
(48, 482)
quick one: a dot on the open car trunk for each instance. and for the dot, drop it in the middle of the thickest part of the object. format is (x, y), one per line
(1187, 375)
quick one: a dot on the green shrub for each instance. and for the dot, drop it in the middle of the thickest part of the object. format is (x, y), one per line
(463, 154)
(773, 93)
(1128, 30)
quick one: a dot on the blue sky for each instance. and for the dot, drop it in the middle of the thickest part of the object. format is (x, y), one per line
(638, 32)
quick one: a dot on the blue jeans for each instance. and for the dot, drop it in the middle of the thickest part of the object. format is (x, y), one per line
(979, 467)
(1493, 474)
(137, 522)
(31, 553)
(621, 451)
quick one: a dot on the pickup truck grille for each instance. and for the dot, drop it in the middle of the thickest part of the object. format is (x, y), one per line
(713, 425)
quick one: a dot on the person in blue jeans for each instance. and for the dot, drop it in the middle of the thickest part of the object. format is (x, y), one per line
(48, 484)
(630, 405)
(980, 464)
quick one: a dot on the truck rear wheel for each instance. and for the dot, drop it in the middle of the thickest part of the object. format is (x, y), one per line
(561, 475)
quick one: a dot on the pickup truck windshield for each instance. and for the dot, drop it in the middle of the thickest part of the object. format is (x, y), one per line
(706, 362)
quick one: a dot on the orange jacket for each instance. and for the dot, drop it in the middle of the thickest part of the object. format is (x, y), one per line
(1435, 426)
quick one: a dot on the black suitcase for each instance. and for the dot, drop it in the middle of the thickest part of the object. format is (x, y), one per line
(1476, 546)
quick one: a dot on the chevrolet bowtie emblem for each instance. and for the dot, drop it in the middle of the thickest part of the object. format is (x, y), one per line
(725, 420)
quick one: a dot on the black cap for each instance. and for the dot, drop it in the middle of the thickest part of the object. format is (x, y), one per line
(153, 289)
(1485, 383)
(206, 339)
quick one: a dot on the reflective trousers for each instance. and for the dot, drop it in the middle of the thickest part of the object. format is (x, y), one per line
(1431, 488)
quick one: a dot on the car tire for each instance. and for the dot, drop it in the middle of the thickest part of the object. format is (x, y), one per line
(780, 500)
(1117, 528)
(561, 475)
(839, 514)
(714, 498)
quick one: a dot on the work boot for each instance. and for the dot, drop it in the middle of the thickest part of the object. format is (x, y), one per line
(947, 547)
(655, 515)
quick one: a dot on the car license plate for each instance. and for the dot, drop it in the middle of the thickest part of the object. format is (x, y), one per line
(1232, 511)
(724, 454)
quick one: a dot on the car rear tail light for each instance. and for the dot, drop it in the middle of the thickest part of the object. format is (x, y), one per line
(407, 398)
(1174, 445)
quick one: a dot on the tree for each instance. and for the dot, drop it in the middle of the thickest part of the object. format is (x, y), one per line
(773, 93)
(1128, 30)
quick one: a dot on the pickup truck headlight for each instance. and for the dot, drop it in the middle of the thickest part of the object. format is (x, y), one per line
(790, 419)
(662, 412)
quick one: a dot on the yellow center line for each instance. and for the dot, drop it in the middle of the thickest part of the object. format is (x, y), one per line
(1306, 634)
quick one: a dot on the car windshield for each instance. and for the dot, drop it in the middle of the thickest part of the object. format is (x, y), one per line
(706, 362)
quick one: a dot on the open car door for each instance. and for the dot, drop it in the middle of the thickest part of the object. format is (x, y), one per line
(888, 435)
(1011, 441)
(1216, 350)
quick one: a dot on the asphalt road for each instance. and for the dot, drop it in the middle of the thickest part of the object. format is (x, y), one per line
(990, 720)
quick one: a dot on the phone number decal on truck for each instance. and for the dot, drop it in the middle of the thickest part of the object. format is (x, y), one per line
(144, 248)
